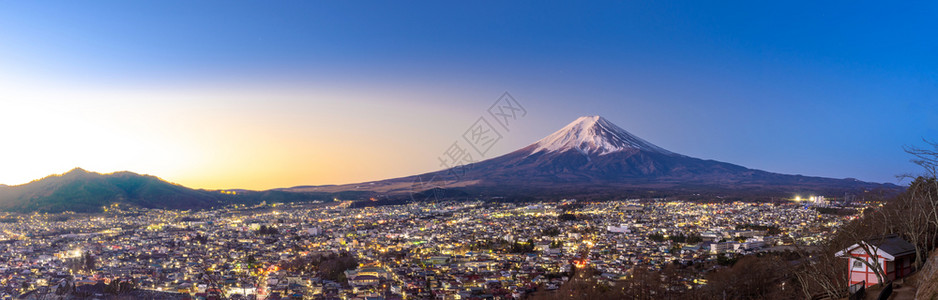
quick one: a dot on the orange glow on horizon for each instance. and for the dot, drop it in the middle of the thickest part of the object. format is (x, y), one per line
(221, 138)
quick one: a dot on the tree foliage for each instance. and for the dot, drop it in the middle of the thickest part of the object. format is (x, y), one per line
(267, 230)
(328, 266)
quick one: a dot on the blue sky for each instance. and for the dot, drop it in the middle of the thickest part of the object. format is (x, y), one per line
(827, 89)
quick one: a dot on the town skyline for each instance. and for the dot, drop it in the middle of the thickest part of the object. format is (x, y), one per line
(483, 150)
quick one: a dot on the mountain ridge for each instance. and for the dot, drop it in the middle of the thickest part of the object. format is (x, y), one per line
(79, 190)
(590, 158)
(83, 191)
(593, 155)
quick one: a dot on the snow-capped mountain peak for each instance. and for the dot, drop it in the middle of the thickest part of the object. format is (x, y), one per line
(594, 135)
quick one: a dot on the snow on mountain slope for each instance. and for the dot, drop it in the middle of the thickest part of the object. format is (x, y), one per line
(594, 158)
(594, 135)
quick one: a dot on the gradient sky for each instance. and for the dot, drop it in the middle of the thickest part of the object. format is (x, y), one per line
(230, 94)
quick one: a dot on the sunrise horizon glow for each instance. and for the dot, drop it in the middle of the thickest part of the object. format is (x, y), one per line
(263, 96)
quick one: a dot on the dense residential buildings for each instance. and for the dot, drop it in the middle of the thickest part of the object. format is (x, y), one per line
(449, 250)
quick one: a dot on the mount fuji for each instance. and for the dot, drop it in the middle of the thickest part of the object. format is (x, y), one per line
(589, 159)
(594, 135)
(593, 158)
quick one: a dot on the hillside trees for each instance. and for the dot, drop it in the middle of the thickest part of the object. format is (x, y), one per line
(913, 215)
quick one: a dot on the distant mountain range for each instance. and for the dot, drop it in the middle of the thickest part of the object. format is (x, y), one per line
(82, 191)
(595, 159)
(591, 158)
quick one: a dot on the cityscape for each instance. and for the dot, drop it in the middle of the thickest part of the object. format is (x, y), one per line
(484, 150)
(441, 250)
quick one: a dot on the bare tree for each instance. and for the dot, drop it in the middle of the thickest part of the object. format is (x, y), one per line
(911, 218)
(926, 158)
(878, 224)
(819, 271)
(922, 196)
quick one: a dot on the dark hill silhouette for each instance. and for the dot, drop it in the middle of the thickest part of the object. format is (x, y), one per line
(82, 191)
